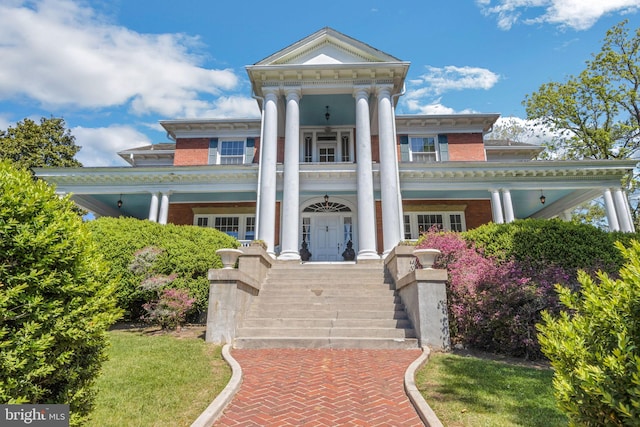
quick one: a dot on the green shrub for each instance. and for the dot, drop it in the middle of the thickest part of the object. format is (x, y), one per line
(541, 242)
(55, 301)
(187, 253)
(593, 347)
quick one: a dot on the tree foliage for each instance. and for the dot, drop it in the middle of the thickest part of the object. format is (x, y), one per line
(47, 144)
(594, 347)
(55, 301)
(595, 115)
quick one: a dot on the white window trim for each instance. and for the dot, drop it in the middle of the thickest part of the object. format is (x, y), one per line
(436, 147)
(446, 221)
(242, 222)
(242, 156)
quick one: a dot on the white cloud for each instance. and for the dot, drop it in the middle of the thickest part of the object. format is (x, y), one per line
(100, 145)
(61, 53)
(577, 14)
(440, 80)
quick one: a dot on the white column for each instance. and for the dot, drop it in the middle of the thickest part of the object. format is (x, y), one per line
(164, 208)
(496, 207)
(508, 206)
(609, 206)
(269, 147)
(291, 196)
(391, 210)
(364, 176)
(153, 208)
(622, 208)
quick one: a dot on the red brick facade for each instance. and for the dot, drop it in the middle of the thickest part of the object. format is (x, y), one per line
(466, 147)
(191, 152)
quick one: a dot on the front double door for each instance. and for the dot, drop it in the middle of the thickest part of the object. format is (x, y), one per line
(327, 238)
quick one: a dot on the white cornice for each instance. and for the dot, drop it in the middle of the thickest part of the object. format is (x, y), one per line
(446, 123)
(207, 128)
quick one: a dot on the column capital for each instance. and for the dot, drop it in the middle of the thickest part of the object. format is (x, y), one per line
(383, 90)
(271, 92)
(361, 92)
(293, 93)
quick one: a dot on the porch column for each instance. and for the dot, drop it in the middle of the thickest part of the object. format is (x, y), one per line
(391, 209)
(269, 157)
(164, 208)
(508, 206)
(610, 208)
(291, 197)
(364, 176)
(153, 208)
(496, 207)
(624, 213)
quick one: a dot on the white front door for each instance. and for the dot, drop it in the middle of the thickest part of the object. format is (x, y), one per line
(326, 238)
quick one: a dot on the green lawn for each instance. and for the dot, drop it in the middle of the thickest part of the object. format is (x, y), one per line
(469, 391)
(157, 380)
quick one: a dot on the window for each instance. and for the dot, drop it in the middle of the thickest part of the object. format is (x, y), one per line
(228, 151)
(231, 152)
(242, 227)
(423, 149)
(416, 223)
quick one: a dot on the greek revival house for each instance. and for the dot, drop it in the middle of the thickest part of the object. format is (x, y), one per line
(330, 162)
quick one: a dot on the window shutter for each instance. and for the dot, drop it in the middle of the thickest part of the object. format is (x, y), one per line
(443, 147)
(249, 150)
(213, 151)
(404, 148)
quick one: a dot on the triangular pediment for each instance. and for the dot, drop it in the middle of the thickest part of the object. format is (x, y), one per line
(327, 47)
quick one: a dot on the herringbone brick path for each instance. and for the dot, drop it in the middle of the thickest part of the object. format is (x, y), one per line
(322, 387)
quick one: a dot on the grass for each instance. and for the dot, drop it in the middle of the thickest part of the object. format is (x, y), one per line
(157, 380)
(471, 391)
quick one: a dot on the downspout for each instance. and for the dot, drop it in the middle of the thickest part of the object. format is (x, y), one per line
(395, 152)
(261, 100)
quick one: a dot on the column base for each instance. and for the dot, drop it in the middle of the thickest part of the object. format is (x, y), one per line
(367, 256)
(289, 256)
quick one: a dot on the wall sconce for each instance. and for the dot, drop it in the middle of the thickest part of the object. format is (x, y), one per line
(327, 115)
(326, 200)
(542, 198)
(120, 202)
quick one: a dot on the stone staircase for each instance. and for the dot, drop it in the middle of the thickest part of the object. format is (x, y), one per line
(337, 305)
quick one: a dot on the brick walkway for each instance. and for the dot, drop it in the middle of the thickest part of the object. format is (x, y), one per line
(319, 387)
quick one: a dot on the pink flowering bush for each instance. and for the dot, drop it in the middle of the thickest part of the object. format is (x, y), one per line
(493, 305)
(170, 310)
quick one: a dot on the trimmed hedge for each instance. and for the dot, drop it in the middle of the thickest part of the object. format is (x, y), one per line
(56, 302)
(188, 252)
(540, 242)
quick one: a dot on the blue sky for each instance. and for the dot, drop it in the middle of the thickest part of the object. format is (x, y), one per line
(114, 68)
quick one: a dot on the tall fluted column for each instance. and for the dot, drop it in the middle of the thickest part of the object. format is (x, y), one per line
(164, 208)
(624, 213)
(291, 195)
(269, 147)
(364, 176)
(508, 206)
(391, 209)
(153, 208)
(496, 207)
(609, 206)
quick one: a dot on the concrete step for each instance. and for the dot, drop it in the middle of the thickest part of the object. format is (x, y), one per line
(319, 313)
(269, 299)
(293, 322)
(327, 332)
(327, 342)
(337, 306)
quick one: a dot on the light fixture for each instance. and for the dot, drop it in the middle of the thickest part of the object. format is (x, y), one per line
(326, 200)
(542, 198)
(327, 115)
(120, 202)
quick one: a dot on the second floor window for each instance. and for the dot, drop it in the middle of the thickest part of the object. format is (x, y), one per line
(423, 149)
(231, 151)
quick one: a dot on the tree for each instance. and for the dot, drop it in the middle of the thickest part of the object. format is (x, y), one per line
(55, 301)
(596, 114)
(48, 144)
(594, 347)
